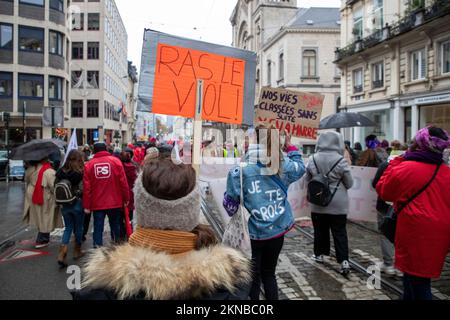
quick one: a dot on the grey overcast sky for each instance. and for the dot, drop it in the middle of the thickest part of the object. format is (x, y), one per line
(206, 20)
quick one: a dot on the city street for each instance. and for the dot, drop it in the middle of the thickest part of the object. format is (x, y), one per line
(225, 150)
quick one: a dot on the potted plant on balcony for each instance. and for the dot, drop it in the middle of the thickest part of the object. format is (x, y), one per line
(417, 11)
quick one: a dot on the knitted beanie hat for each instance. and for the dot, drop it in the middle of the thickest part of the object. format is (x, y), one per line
(182, 214)
(152, 153)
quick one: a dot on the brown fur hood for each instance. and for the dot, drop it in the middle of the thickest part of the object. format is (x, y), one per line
(129, 271)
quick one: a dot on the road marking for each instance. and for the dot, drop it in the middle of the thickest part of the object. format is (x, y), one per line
(18, 254)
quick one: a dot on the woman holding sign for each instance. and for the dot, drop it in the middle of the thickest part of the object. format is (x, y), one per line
(266, 178)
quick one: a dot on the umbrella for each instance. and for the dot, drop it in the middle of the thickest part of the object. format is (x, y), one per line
(345, 120)
(37, 149)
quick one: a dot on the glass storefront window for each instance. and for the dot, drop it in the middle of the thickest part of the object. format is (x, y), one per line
(437, 115)
(383, 130)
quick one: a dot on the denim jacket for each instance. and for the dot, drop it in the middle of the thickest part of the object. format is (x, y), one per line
(265, 196)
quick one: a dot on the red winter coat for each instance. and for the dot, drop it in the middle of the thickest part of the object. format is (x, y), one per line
(423, 228)
(131, 173)
(104, 183)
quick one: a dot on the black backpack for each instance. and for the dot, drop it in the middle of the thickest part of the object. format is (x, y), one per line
(64, 192)
(319, 192)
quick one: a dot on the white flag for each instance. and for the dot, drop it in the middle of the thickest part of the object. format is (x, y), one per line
(73, 144)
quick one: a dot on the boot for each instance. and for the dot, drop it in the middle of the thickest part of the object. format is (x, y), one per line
(62, 256)
(77, 253)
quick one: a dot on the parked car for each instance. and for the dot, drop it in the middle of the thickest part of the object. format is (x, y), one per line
(16, 169)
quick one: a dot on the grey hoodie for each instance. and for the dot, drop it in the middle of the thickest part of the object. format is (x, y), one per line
(330, 149)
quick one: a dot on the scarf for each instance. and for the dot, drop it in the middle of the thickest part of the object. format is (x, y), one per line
(38, 194)
(167, 241)
(425, 156)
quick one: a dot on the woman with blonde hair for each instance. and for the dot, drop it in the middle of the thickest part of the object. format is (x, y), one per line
(265, 197)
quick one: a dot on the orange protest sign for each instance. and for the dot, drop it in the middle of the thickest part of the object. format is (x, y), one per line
(177, 70)
(296, 112)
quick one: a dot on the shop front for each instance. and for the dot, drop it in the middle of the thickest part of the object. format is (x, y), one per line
(382, 116)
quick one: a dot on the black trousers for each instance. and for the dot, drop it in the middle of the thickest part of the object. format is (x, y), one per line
(323, 223)
(264, 259)
(87, 222)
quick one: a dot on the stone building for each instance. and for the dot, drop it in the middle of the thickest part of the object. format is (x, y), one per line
(99, 73)
(34, 67)
(395, 62)
(295, 46)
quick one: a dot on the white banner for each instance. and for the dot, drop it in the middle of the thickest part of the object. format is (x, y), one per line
(73, 144)
(362, 196)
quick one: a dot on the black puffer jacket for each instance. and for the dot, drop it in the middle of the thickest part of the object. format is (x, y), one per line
(132, 273)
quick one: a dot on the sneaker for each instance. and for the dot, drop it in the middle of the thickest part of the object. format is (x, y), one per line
(318, 259)
(388, 269)
(398, 273)
(345, 268)
(41, 245)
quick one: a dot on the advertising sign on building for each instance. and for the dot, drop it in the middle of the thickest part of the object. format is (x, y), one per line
(172, 66)
(296, 112)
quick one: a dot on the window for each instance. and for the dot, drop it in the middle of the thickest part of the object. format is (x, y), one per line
(77, 108)
(92, 108)
(39, 3)
(6, 36)
(31, 86)
(56, 43)
(78, 21)
(31, 39)
(269, 73)
(358, 23)
(281, 66)
(77, 50)
(93, 21)
(93, 50)
(77, 79)
(418, 65)
(57, 5)
(55, 88)
(92, 78)
(446, 57)
(309, 63)
(6, 84)
(378, 19)
(358, 80)
(377, 75)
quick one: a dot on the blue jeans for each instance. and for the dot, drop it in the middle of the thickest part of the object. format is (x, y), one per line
(114, 218)
(73, 220)
(416, 288)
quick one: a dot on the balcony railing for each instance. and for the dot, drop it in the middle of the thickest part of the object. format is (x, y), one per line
(420, 16)
(357, 89)
(377, 84)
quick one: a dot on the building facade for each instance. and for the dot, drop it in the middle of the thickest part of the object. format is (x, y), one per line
(34, 67)
(295, 46)
(131, 105)
(395, 63)
(99, 73)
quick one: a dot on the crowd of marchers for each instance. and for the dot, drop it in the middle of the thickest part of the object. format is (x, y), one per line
(160, 250)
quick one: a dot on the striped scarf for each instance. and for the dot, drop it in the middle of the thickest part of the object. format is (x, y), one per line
(168, 241)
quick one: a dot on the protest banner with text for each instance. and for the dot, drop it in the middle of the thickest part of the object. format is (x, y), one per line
(172, 66)
(298, 113)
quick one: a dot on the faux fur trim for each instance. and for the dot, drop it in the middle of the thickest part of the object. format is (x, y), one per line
(129, 271)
